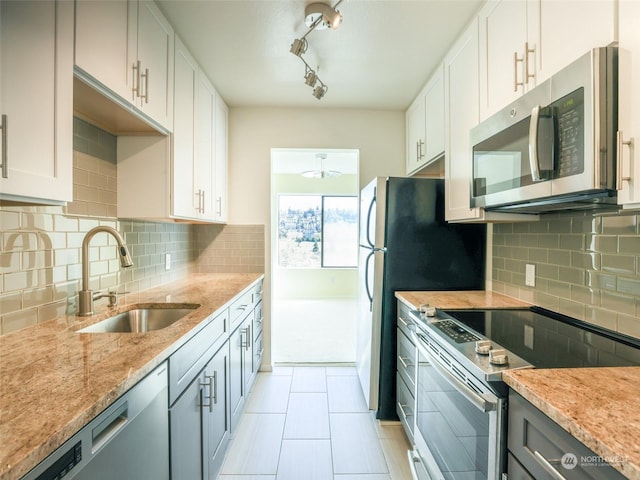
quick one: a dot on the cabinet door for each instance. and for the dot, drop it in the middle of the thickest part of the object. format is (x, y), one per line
(247, 353)
(36, 101)
(629, 102)
(236, 376)
(434, 116)
(155, 41)
(221, 160)
(217, 421)
(103, 45)
(563, 30)
(503, 33)
(186, 418)
(461, 113)
(205, 152)
(186, 200)
(415, 118)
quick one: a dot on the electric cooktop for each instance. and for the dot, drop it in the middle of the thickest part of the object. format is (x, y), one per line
(543, 338)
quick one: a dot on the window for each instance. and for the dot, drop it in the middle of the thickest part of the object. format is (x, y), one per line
(316, 231)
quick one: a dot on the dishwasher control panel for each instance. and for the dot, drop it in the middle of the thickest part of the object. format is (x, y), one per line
(64, 464)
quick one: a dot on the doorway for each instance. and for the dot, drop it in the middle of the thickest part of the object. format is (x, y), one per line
(314, 237)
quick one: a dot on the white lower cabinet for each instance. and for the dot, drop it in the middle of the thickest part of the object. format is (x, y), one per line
(36, 101)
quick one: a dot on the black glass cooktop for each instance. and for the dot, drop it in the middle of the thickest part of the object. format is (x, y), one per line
(550, 340)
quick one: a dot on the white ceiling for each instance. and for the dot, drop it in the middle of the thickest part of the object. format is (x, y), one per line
(379, 58)
(298, 160)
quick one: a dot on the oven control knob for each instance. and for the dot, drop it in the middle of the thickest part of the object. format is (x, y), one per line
(483, 347)
(498, 357)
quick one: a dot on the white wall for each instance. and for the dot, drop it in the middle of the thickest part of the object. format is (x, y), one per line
(253, 132)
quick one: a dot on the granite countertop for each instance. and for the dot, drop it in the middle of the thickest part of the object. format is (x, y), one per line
(460, 299)
(598, 406)
(53, 380)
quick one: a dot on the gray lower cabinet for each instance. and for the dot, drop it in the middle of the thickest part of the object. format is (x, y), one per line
(405, 371)
(199, 422)
(242, 369)
(539, 448)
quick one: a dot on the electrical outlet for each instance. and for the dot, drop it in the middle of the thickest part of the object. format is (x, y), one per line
(167, 261)
(530, 275)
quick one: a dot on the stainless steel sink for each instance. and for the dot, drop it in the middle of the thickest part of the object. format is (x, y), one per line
(140, 320)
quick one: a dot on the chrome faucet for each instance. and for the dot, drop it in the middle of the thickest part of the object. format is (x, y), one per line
(87, 296)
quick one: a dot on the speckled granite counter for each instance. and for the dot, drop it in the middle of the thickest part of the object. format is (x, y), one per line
(598, 406)
(54, 380)
(460, 299)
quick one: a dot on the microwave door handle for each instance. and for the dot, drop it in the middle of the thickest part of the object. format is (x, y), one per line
(534, 161)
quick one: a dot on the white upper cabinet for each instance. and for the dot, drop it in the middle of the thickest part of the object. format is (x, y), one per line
(36, 102)
(187, 203)
(103, 45)
(154, 64)
(524, 42)
(629, 104)
(221, 208)
(461, 114)
(425, 125)
(125, 48)
(503, 37)
(186, 168)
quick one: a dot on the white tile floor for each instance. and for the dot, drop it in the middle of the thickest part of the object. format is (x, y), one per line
(312, 423)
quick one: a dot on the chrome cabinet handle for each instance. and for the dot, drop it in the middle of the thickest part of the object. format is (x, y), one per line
(215, 387)
(219, 206)
(248, 337)
(528, 51)
(546, 464)
(421, 152)
(5, 159)
(619, 158)
(404, 414)
(404, 322)
(145, 75)
(136, 82)
(516, 83)
(403, 361)
(209, 383)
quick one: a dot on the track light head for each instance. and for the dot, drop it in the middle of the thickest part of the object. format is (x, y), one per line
(310, 77)
(299, 46)
(320, 91)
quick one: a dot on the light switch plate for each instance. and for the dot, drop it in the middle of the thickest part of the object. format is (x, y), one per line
(530, 275)
(167, 261)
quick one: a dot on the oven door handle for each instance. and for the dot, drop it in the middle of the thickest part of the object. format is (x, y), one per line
(480, 401)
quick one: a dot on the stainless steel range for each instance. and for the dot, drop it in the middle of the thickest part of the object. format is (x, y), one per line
(461, 400)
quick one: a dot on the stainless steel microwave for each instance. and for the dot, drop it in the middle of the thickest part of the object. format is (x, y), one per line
(555, 147)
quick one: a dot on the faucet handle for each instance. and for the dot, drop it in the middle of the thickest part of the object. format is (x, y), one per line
(113, 297)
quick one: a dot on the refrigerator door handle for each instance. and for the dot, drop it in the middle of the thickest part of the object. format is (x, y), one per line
(371, 205)
(366, 279)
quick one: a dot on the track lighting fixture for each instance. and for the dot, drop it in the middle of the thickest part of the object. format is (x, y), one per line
(310, 76)
(317, 16)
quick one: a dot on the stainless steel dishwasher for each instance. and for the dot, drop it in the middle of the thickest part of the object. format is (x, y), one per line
(129, 440)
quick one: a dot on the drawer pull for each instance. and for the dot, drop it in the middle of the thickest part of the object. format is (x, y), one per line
(403, 322)
(546, 464)
(405, 415)
(404, 361)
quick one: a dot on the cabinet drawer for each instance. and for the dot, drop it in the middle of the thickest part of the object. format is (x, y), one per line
(257, 321)
(405, 323)
(531, 431)
(185, 364)
(257, 292)
(404, 407)
(406, 361)
(240, 308)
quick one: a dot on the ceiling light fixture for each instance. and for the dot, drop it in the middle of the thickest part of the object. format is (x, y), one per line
(317, 16)
(327, 16)
(320, 172)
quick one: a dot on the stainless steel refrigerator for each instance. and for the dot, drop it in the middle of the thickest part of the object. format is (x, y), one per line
(405, 245)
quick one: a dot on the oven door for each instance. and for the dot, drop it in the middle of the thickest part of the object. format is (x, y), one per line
(459, 431)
